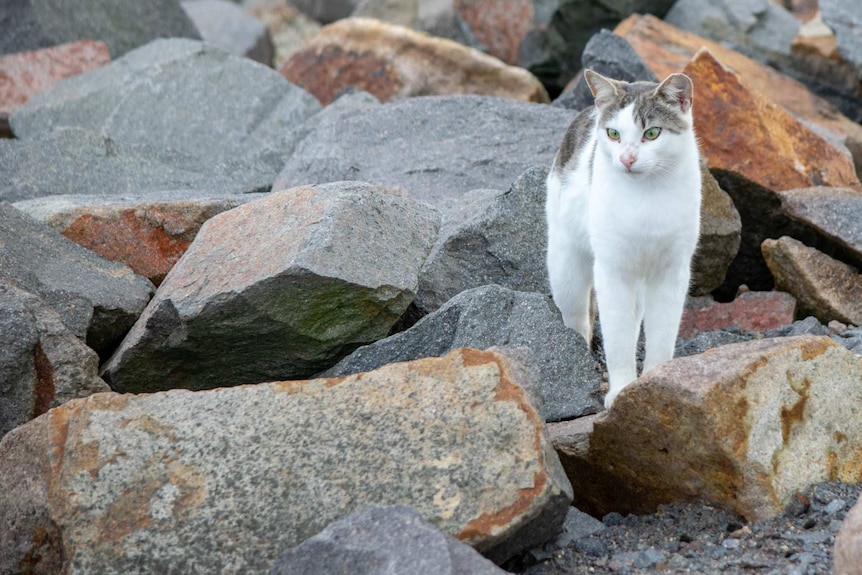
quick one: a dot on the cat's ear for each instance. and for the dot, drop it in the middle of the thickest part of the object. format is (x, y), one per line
(677, 90)
(604, 89)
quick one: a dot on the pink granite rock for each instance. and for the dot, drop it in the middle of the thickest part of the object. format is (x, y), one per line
(755, 311)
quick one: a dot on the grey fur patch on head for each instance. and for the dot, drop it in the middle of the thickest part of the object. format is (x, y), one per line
(661, 105)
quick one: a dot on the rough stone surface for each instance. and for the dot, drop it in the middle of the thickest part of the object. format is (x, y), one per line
(668, 49)
(26, 74)
(742, 132)
(831, 217)
(436, 147)
(753, 311)
(848, 544)
(401, 12)
(729, 427)
(720, 236)
(823, 287)
(232, 312)
(326, 11)
(378, 540)
(611, 56)
(149, 233)
(561, 363)
(123, 25)
(844, 18)
(98, 300)
(288, 27)
(394, 62)
(84, 163)
(227, 25)
(494, 238)
(157, 483)
(42, 364)
(184, 96)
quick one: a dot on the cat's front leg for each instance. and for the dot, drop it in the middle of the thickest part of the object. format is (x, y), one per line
(664, 299)
(618, 314)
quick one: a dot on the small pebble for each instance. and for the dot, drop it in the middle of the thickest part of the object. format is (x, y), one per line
(613, 518)
(591, 547)
(648, 558)
(834, 506)
(730, 544)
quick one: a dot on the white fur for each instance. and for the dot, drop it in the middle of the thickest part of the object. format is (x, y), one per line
(630, 235)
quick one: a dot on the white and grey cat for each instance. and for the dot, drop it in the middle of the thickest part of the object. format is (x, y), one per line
(623, 212)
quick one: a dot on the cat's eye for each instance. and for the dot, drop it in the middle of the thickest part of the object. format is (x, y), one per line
(613, 134)
(652, 133)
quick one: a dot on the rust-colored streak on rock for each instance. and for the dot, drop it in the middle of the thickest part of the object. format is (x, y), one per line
(325, 71)
(500, 25)
(795, 413)
(128, 513)
(146, 248)
(45, 389)
(814, 348)
(507, 390)
(743, 132)
(45, 542)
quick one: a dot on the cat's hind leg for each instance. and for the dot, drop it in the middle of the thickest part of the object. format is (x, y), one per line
(665, 299)
(570, 272)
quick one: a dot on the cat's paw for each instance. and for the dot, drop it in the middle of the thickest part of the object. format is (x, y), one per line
(610, 397)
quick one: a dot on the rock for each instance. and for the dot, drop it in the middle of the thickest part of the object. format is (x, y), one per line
(728, 427)
(42, 364)
(184, 96)
(500, 28)
(123, 25)
(326, 11)
(148, 233)
(843, 17)
(401, 12)
(24, 75)
(492, 315)
(496, 238)
(742, 132)
(379, 540)
(97, 300)
(667, 49)
(720, 236)
(229, 312)
(822, 286)
(86, 163)
(851, 339)
(394, 62)
(830, 220)
(808, 326)
(848, 543)
(436, 147)
(158, 483)
(753, 311)
(760, 28)
(227, 25)
(708, 340)
(288, 28)
(611, 56)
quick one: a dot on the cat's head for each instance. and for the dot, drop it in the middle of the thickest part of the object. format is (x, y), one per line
(643, 127)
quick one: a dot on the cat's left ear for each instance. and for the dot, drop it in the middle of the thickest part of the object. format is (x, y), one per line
(677, 89)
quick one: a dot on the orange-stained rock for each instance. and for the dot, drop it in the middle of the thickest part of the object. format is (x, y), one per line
(741, 131)
(148, 236)
(222, 481)
(755, 311)
(667, 49)
(823, 287)
(26, 74)
(499, 25)
(394, 62)
(743, 426)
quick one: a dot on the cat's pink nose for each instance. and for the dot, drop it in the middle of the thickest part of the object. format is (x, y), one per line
(628, 160)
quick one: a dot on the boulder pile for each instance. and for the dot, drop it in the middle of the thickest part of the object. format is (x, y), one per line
(276, 300)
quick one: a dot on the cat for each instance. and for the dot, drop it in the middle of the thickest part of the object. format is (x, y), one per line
(623, 215)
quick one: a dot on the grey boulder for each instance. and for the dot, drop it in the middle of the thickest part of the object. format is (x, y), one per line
(228, 25)
(279, 288)
(559, 359)
(98, 300)
(42, 364)
(383, 540)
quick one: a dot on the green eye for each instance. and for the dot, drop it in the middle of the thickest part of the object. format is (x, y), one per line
(613, 134)
(652, 133)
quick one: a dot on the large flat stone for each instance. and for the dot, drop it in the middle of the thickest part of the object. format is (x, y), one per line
(279, 288)
(159, 483)
(744, 426)
(830, 219)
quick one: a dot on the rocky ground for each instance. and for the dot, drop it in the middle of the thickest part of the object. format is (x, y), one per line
(698, 538)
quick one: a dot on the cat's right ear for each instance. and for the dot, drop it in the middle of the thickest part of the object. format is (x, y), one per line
(604, 89)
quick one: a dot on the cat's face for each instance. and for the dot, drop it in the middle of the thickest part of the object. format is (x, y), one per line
(643, 127)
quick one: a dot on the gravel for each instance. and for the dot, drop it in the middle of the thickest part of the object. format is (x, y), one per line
(699, 538)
